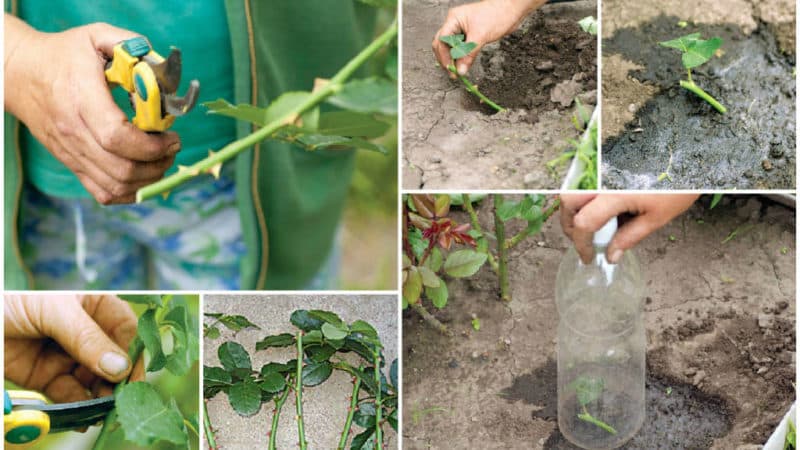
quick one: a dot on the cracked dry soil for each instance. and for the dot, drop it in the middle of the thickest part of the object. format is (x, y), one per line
(451, 141)
(720, 327)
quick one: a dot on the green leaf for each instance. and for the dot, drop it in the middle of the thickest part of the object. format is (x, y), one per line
(216, 376)
(412, 288)
(393, 373)
(715, 200)
(330, 331)
(458, 48)
(320, 353)
(435, 260)
(700, 51)
(284, 104)
(351, 124)
(304, 321)
(237, 323)
(142, 299)
(146, 419)
(380, 3)
(274, 367)
(233, 356)
(365, 415)
(681, 43)
(359, 326)
(476, 324)
(245, 397)
(589, 25)
(587, 389)
(369, 95)
(277, 340)
(151, 337)
(313, 337)
(185, 342)
(464, 263)
(316, 373)
(364, 440)
(211, 332)
(391, 63)
(328, 317)
(273, 382)
(244, 111)
(313, 142)
(437, 295)
(508, 210)
(429, 278)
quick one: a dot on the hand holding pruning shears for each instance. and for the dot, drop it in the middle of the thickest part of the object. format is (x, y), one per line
(70, 348)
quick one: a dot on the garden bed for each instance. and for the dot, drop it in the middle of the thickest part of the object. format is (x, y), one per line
(720, 326)
(651, 126)
(452, 141)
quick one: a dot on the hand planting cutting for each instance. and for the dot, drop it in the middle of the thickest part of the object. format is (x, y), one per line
(583, 214)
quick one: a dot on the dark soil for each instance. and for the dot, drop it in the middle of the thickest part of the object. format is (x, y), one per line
(529, 64)
(751, 147)
(685, 418)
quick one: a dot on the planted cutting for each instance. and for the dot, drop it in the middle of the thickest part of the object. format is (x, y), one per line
(319, 340)
(458, 50)
(168, 340)
(695, 52)
(437, 247)
(584, 150)
(366, 110)
(588, 390)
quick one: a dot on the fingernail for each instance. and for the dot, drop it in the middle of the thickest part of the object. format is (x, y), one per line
(113, 364)
(462, 69)
(616, 255)
(175, 146)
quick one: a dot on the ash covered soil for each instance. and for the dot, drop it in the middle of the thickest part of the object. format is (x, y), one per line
(720, 322)
(652, 126)
(452, 141)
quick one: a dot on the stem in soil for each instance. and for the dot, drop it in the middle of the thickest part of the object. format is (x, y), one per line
(298, 391)
(502, 252)
(428, 317)
(473, 217)
(474, 90)
(212, 441)
(276, 415)
(376, 356)
(689, 85)
(110, 422)
(350, 413)
(519, 237)
(234, 148)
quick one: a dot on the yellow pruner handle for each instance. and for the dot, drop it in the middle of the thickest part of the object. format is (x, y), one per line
(25, 427)
(128, 70)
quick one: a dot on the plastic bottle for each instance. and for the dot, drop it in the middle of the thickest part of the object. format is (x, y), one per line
(601, 347)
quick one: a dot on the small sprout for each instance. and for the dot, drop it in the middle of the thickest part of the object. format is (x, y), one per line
(683, 24)
(664, 176)
(672, 238)
(476, 324)
(726, 279)
(458, 50)
(784, 250)
(669, 391)
(695, 52)
(589, 25)
(700, 221)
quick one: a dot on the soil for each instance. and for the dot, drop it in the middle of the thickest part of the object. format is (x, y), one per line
(452, 141)
(720, 321)
(652, 126)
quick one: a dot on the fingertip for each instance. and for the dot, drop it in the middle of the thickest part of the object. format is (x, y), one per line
(463, 68)
(114, 366)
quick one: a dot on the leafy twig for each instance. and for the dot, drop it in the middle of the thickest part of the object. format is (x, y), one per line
(500, 232)
(210, 437)
(298, 391)
(473, 217)
(378, 403)
(209, 164)
(519, 237)
(350, 413)
(276, 415)
(474, 89)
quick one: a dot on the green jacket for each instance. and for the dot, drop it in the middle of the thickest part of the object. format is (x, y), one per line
(290, 200)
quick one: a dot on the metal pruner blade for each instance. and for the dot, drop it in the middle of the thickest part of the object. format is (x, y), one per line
(178, 106)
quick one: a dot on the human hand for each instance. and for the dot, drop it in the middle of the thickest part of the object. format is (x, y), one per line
(55, 84)
(583, 214)
(67, 346)
(481, 22)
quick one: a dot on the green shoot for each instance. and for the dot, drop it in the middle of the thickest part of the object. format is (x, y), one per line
(458, 50)
(790, 441)
(695, 52)
(589, 25)
(715, 200)
(586, 417)
(587, 390)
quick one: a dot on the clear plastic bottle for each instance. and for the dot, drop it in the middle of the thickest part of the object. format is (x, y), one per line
(601, 347)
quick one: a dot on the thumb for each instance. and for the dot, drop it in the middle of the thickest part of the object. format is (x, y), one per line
(463, 64)
(628, 236)
(83, 339)
(104, 37)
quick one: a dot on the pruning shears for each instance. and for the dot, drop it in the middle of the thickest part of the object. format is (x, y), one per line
(28, 417)
(152, 83)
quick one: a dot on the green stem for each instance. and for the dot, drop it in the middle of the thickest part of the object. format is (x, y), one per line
(530, 229)
(689, 85)
(428, 317)
(276, 415)
(298, 391)
(207, 165)
(474, 90)
(350, 413)
(473, 217)
(212, 441)
(586, 417)
(378, 403)
(110, 422)
(502, 252)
